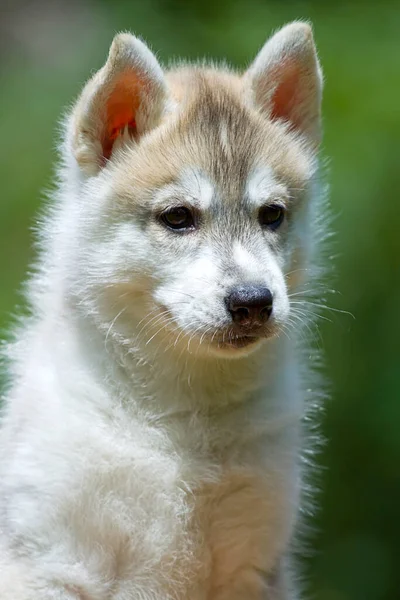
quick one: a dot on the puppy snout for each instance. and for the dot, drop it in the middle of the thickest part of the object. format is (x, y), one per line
(249, 305)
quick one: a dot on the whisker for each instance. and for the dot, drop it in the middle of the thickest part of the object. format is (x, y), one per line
(330, 308)
(112, 325)
(310, 314)
(164, 325)
(153, 320)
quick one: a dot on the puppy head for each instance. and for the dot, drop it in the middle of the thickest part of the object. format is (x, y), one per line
(194, 199)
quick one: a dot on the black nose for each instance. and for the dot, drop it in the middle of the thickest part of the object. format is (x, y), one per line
(249, 304)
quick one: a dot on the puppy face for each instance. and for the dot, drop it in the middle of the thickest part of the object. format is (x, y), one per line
(198, 218)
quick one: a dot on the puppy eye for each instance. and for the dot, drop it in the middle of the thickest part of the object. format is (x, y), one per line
(178, 218)
(271, 216)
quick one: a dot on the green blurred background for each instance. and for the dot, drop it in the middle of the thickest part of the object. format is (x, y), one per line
(48, 49)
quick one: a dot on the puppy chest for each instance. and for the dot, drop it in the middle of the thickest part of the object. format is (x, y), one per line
(243, 521)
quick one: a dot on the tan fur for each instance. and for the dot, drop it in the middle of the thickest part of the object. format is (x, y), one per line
(208, 96)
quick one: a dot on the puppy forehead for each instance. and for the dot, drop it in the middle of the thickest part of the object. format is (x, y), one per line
(195, 183)
(210, 149)
(263, 185)
(192, 186)
(200, 189)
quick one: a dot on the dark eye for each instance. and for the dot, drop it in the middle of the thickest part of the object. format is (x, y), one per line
(271, 216)
(179, 218)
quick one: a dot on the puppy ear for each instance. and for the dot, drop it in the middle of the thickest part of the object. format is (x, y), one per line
(286, 80)
(124, 99)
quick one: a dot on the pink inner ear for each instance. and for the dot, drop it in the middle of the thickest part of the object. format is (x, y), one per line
(121, 110)
(287, 94)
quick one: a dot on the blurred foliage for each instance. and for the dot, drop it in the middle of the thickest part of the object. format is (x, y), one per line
(49, 48)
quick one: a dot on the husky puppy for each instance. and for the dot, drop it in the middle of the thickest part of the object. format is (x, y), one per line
(151, 434)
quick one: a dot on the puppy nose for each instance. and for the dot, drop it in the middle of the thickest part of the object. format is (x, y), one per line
(249, 304)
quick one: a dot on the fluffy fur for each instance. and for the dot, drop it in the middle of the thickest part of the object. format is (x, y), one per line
(146, 453)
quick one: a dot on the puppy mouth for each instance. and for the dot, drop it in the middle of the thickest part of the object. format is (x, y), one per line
(236, 342)
(236, 339)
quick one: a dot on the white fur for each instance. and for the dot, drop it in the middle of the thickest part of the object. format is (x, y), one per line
(140, 463)
(192, 186)
(263, 188)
